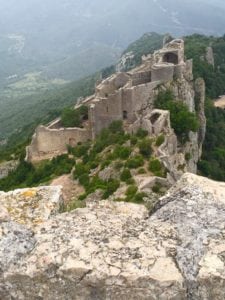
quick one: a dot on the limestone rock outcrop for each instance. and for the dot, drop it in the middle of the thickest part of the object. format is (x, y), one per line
(30, 206)
(7, 167)
(210, 56)
(116, 250)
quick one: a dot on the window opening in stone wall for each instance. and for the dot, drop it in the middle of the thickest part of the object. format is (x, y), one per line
(72, 142)
(124, 114)
(154, 118)
(170, 58)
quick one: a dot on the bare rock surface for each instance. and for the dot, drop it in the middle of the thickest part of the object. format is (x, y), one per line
(7, 167)
(115, 250)
(31, 206)
(195, 206)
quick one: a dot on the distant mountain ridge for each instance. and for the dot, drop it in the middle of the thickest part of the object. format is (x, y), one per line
(55, 31)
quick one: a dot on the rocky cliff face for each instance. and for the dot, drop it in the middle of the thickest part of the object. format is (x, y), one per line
(115, 250)
(7, 167)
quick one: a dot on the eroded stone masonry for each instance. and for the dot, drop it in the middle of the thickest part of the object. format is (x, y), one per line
(130, 97)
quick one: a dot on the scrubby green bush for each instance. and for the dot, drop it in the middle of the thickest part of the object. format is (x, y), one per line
(80, 150)
(95, 183)
(156, 188)
(125, 175)
(28, 175)
(82, 197)
(160, 140)
(133, 140)
(122, 152)
(135, 162)
(77, 203)
(118, 165)
(84, 180)
(145, 147)
(105, 164)
(111, 186)
(141, 171)
(80, 169)
(156, 167)
(141, 133)
(110, 136)
(132, 195)
(182, 120)
(131, 191)
(73, 117)
(139, 197)
(116, 127)
(130, 181)
(187, 156)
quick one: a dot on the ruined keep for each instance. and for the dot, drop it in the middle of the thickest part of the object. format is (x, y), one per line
(130, 96)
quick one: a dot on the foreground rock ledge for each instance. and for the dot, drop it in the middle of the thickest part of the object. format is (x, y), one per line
(116, 251)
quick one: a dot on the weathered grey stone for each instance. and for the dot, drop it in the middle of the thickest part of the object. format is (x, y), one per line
(195, 206)
(108, 173)
(15, 242)
(7, 167)
(106, 251)
(31, 206)
(200, 108)
(210, 56)
(148, 182)
(112, 250)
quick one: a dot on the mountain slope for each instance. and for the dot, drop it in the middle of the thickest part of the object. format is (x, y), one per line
(17, 112)
(52, 31)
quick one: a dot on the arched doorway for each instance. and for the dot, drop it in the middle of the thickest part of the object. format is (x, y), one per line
(170, 57)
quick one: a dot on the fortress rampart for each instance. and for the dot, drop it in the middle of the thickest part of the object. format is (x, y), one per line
(123, 96)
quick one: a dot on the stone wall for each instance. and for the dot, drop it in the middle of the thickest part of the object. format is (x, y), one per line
(54, 141)
(104, 111)
(141, 78)
(162, 72)
(111, 84)
(138, 98)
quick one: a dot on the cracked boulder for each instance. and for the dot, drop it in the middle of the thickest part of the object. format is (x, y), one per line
(105, 251)
(31, 206)
(115, 250)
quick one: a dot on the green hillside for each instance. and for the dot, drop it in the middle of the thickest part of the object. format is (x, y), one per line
(47, 105)
(19, 114)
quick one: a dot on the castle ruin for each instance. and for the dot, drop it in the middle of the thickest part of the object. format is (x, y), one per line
(129, 96)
